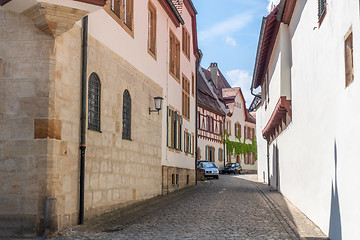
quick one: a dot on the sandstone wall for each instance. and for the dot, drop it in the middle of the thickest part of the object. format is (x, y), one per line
(118, 172)
(40, 82)
(25, 61)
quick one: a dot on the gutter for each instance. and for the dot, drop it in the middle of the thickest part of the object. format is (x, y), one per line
(174, 9)
(83, 118)
(261, 40)
(193, 7)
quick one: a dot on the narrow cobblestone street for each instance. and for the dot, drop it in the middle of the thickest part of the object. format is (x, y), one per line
(233, 207)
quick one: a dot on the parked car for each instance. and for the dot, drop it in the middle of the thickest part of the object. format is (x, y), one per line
(234, 168)
(211, 170)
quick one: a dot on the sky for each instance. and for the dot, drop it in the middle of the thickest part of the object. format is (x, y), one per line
(228, 33)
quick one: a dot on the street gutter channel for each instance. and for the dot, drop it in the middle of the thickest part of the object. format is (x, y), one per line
(289, 226)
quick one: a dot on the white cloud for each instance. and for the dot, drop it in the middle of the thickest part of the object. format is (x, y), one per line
(272, 4)
(226, 27)
(242, 79)
(229, 40)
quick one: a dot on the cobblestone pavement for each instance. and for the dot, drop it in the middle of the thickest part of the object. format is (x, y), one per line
(233, 207)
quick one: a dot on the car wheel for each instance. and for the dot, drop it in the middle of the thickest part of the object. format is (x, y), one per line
(217, 177)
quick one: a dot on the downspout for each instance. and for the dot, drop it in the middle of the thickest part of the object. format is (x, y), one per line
(197, 66)
(83, 118)
(225, 150)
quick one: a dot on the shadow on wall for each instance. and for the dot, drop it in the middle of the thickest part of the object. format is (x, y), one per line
(335, 218)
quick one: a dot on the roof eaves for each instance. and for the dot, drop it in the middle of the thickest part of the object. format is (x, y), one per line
(176, 12)
(3, 2)
(193, 7)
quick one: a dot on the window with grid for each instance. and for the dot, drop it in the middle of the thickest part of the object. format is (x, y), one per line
(186, 97)
(210, 153)
(186, 42)
(349, 65)
(221, 154)
(246, 160)
(237, 130)
(152, 29)
(192, 84)
(174, 63)
(126, 131)
(321, 9)
(188, 142)
(228, 127)
(128, 12)
(124, 11)
(94, 102)
(174, 129)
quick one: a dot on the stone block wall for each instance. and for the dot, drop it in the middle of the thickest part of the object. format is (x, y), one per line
(117, 171)
(176, 178)
(26, 57)
(40, 81)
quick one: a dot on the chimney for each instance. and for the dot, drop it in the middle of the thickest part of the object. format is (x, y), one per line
(213, 72)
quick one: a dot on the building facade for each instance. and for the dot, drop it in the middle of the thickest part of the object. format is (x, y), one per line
(239, 127)
(128, 54)
(210, 122)
(306, 67)
(222, 117)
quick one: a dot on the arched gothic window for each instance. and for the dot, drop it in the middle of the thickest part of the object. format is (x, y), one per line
(94, 104)
(126, 131)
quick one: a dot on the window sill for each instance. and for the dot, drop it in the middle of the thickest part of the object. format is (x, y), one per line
(153, 55)
(175, 77)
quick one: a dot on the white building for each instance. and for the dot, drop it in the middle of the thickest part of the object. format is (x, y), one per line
(240, 127)
(306, 66)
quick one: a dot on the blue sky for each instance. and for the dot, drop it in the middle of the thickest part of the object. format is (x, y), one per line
(228, 33)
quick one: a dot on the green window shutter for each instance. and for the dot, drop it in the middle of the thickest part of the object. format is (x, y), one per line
(206, 153)
(180, 131)
(168, 126)
(176, 131)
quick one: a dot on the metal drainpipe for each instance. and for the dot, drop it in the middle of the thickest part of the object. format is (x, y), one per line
(268, 160)
(197, 66)
(83, 118)
(224, 119)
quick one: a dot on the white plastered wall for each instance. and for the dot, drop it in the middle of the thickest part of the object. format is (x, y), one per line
(318, 153)
(134, 50)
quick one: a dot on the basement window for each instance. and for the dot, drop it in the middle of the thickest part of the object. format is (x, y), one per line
(349, 64)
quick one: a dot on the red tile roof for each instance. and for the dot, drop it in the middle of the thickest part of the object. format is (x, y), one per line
(205, 97)
(269, 30)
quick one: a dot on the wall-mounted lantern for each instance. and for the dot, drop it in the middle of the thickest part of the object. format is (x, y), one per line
(158, 105)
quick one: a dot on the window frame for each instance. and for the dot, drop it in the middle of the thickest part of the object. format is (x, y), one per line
(174, 58)
(349, 60)
(126, 116)
(186, 42)
(185, 97)
(94, 124)
(152, 21)
(119, 17)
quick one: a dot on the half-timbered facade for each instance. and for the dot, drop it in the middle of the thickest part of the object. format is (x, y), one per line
(210, 122)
